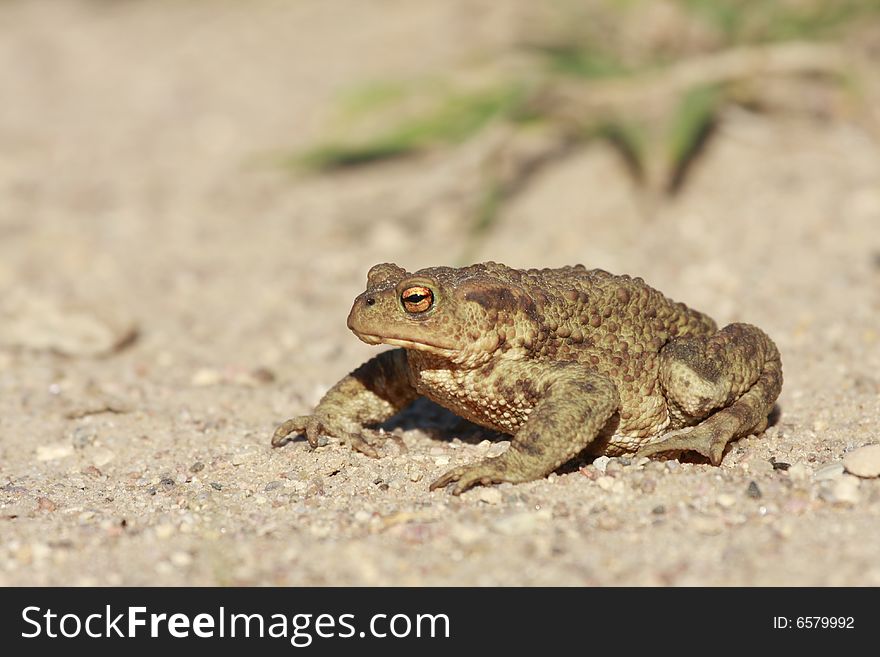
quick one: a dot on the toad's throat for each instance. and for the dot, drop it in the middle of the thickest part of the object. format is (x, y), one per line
(407, 344)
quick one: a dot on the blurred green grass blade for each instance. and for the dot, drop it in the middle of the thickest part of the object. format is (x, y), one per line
(582, 62)
(456, 118)
(689, 126)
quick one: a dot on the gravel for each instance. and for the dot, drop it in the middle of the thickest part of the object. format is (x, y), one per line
(133, 199)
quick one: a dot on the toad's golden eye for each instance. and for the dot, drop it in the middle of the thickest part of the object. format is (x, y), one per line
(417, 299)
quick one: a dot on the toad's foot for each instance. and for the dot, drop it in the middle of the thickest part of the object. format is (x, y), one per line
(485, 472)
(699, 439)
(360, 439)
(709, 438)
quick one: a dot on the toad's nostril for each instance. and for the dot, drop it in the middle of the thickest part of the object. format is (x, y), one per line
(370, 301)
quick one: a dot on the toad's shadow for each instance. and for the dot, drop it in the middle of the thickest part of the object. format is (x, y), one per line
(440, 424)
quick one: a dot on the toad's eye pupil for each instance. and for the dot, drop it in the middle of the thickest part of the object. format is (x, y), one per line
(417, 299)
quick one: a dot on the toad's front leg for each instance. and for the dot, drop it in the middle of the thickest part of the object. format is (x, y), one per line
(371, 394)
(572, 405)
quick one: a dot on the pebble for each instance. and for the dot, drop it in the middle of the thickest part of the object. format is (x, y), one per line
(206, 377)
(497, 449)
(863, 462)
(415, 475)
(441, 460)
(102, 457)
(798, 472)
(759, 467)
(198, 466)
(272, 485)
(614, 467)
(216, 486)
(707, 526)
(753, 491)
(45, 504)
(726, 500)
(828, 471)
(181, 559)
(489, 495)
(54, 451)
(601, 463)
(605, 483)
(845, 490)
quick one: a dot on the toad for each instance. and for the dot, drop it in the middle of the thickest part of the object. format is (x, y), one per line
(563, 360)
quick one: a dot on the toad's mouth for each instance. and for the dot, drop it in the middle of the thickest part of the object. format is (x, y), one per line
(407, 344)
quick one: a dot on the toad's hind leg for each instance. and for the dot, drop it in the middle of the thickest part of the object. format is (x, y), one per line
(719, 387)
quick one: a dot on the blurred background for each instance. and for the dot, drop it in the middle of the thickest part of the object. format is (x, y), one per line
(191, 194)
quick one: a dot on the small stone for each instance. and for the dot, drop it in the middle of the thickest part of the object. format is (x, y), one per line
(647, 485)
(198, 466)
(102, 456)
(798, 472)
(45, 504)
(216, 486)
(605, 483)
(489, 495)
(863, 462)
(780, 465)
(181, 559)
(613, 467)
(828, 471)
(760, 467)
(726, 500)
(601, 462)
(415, 475)
(608, 523)
(362, 516)
(590, 472)
(673, 466)
(845, 490)
(753, 491)
(272, 485)
(441, 460)
(206, 377)
(707, 526)
(658, 510)
(496, 449)
(54, 451)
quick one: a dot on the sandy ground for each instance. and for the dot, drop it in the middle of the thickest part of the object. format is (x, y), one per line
(138, 188)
